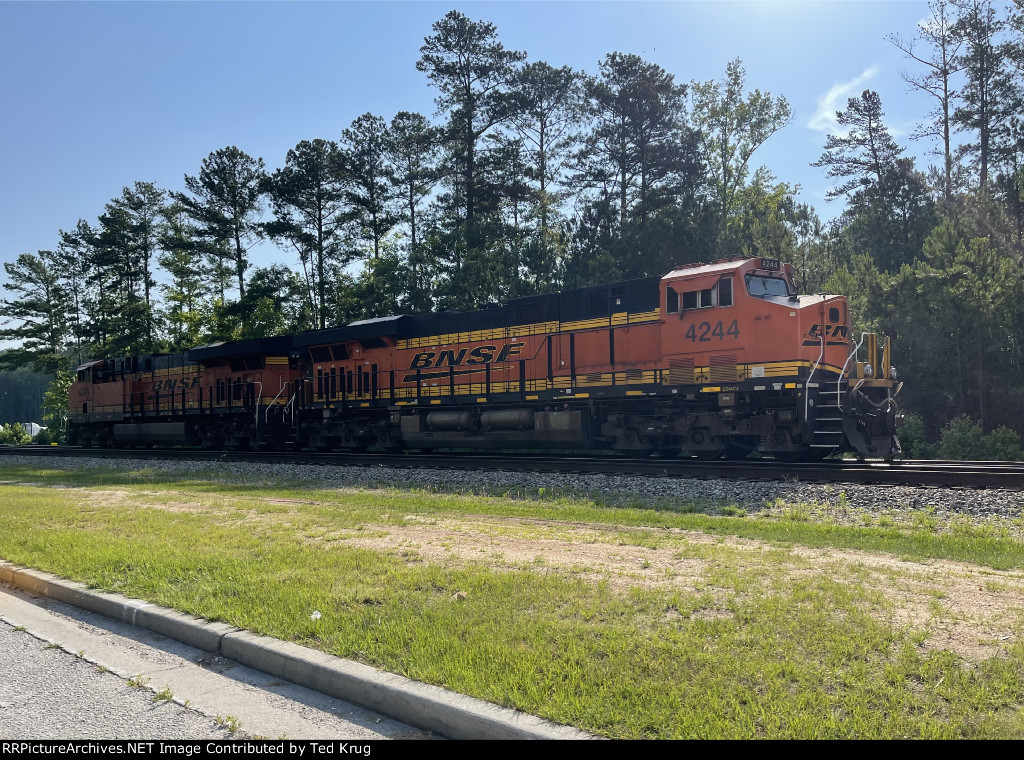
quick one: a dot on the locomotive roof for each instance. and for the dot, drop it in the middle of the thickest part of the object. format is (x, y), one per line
(277, 346)
(726, 265)
(580, 303)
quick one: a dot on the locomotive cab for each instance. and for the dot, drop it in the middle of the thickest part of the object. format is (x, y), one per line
(763, 367)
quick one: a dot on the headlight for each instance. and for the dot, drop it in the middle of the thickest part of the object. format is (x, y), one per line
(868, 371)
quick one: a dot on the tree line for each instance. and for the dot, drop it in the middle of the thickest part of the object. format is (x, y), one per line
(532, 178)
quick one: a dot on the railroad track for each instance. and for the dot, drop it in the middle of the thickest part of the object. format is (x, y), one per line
(941, 473)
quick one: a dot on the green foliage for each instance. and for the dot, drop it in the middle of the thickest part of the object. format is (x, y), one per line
(549, 109)
(382, 286)
(963, 438)
(1003, 444)
(914, 439)
(186, 297)
(472, 72)
(308, 200)
(992, 96)
(13, 434)
(55, 404)
(865, 151)
(732, 127)
(35, 316)
(45, 437)
(369, 183)
(224, 203)
(640, 163)
(273, 304)
(123, 248)
(413, 152)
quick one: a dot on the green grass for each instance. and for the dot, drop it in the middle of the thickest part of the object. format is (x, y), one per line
(761, 643)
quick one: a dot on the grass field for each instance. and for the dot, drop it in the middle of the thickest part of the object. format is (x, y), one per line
(688, 621)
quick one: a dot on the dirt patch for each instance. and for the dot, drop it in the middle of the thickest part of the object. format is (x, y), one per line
(973, 611)
(119, 498)
(580, 552)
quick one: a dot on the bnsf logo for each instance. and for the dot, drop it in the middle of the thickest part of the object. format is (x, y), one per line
(453, 358)
(176, 384)
(831, 331)
(835, 335)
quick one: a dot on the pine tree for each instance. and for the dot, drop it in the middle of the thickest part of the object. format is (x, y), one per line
(941, 64)
(472, 70)
(991, 97)
(224, 201)
(37, 316)
(309, 203)
(73, 262)
(413, 153)
(185, 308)
(369, 186)
(865, 152)
(550, 104)
(639, 160)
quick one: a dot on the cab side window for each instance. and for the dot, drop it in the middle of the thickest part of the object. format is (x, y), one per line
(725, 291)
(719, 294)
(671, 301)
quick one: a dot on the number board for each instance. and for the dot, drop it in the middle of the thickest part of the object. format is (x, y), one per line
(772, 265)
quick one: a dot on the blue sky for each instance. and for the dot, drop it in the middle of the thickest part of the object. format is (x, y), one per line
(95, 95)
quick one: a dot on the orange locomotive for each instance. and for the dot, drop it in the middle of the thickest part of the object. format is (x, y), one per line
(718, 359)
(230, 394)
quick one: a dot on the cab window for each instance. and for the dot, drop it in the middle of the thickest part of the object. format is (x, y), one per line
(762, 285)
(671, 300)
(719, 294)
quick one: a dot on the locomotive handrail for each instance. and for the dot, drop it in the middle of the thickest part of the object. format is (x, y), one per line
(259, 395)
(807, 385)
(856, 349)
(284, 387)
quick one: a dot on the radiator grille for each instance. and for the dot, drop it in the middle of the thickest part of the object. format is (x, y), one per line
(680, 371)
(722, 368)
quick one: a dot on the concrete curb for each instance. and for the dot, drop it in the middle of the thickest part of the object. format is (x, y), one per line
(452, 715)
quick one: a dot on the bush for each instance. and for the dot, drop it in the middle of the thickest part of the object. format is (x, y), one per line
(13, 434)
(963, 438)
(44, 437)
(914, 438)
(1003, 445)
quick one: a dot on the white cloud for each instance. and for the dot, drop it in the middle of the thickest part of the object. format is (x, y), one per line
(824, 119)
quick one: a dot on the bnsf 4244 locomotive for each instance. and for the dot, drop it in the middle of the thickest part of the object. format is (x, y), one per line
(716, 360)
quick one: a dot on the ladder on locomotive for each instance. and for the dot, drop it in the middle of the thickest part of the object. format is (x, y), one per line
(828, 423)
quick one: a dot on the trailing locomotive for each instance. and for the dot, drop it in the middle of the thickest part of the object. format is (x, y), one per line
(716, 360)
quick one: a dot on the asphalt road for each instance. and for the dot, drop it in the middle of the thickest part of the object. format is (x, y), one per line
(72, 674)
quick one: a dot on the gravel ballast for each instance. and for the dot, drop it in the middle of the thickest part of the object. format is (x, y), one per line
(712, 495)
